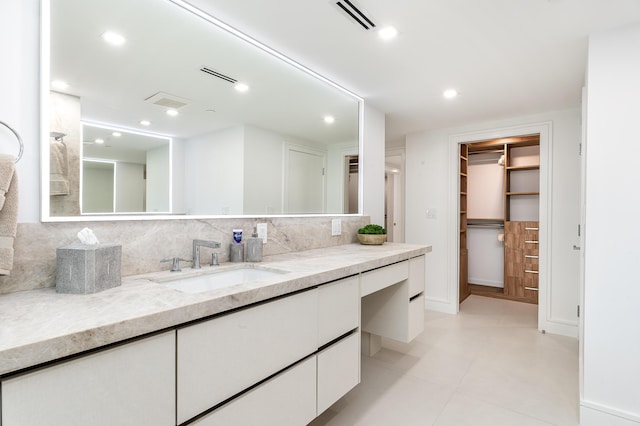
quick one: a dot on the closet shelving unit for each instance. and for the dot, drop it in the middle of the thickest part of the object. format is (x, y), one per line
(464, 256)
(520, 203)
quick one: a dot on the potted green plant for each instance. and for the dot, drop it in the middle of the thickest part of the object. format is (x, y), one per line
(372, 234)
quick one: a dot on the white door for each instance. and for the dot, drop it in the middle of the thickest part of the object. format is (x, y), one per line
(304, 182)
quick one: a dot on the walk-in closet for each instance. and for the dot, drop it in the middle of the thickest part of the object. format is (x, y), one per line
(499, 218)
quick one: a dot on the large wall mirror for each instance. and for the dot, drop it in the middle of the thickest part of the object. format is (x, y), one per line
(154, 109)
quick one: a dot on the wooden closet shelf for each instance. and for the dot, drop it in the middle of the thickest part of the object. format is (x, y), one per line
(522, 193)
(463, 174)
(462, 157)
(463, 193)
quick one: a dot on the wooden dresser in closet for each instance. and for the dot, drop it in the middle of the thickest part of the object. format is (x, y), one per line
(521, 260)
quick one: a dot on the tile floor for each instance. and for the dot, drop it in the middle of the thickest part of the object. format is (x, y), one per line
(486, 366)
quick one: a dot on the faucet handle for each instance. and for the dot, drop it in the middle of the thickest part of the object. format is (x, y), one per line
(175, 263)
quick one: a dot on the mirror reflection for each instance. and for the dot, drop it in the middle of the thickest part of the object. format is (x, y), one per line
(243, 132)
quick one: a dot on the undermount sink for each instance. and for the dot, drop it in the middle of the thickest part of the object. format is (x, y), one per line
(213, 280)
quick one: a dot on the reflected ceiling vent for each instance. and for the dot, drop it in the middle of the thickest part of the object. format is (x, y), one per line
(356, 14)
(219, 75)
(166, 100)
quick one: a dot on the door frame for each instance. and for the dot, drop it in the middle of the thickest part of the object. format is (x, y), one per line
(544, 129)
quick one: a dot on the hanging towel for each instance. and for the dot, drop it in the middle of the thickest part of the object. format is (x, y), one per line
(8, 213)
(58, 168)
(7, 169)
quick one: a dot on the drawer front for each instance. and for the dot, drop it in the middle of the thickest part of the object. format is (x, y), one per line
(223, 356)
(338, 370)
(132, 384)
(416, 317)
(380, 278)
(416, 275)
(338, 309)
(287, 399)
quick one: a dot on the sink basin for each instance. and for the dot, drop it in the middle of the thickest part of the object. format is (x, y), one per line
(219, 279)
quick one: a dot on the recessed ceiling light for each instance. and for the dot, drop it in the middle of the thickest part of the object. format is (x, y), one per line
(145, 122)
(450, 93)
(241, 87)
(59, 84)
(99, 141)
(113, 38)
(329, 119)
(387, 33)
(172, 112)
(116, 134)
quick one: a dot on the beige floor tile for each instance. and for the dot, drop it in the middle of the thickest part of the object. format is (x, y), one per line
(488, 365)
(465, 411)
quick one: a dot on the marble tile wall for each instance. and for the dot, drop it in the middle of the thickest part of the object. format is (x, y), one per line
(145, 243)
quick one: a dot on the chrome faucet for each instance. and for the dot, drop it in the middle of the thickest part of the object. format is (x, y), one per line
(196, 250)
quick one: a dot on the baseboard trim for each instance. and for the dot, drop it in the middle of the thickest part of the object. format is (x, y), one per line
(592, 413)
(440, 306)
(569, 330)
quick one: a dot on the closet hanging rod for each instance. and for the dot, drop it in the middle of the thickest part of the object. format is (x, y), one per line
(17, 137)
(487, 151)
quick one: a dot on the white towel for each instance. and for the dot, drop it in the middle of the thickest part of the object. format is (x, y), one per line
(8, 213)
(7, 169)
(58, 168)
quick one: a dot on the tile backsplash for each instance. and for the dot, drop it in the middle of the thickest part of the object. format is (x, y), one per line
(145, 243)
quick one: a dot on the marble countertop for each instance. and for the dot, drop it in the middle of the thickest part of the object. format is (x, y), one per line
(41, 325)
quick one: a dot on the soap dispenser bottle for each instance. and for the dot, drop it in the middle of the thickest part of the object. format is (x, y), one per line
(254, 247)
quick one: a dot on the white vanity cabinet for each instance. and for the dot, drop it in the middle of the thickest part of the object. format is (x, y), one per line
(338, 362)
(221, 357)
(393, 300)
(287, 399)
(320, 324)
(132, 384)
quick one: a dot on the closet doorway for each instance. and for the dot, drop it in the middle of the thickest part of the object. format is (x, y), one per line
(499, 211)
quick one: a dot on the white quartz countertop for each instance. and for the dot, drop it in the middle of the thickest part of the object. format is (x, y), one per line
(41, 325)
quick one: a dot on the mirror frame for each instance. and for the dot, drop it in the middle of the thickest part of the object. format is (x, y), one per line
(45, 77)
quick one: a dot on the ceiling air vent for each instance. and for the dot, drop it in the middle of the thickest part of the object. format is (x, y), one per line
(356, 14)
(166, 100)
(219, 75)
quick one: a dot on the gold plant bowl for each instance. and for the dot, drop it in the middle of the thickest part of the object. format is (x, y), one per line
(372, 239)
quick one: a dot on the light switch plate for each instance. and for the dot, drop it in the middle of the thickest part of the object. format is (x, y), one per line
(261, 229)
(336, 227)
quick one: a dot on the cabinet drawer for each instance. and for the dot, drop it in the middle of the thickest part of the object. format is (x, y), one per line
(380, 278)
(132, 384)
(416, 317)
(287, 399)
(338, 370)
(416, 275)
(338, 309)
(223, 356)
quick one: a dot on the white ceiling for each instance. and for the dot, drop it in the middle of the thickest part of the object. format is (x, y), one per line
(505, 57)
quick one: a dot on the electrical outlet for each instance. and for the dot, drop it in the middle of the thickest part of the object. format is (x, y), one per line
(336, 227)
(261, 229)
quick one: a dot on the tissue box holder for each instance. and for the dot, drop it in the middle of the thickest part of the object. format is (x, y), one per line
(88, 268)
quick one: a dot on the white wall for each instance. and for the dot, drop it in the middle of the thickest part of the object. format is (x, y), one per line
(20, 101)
(262, 171)
(336, 175)
(372, 165)
(130, 187)
(485, 179)
(214, 184)
(97, 191)
(611, 394)
(158, 180)
(428, 187)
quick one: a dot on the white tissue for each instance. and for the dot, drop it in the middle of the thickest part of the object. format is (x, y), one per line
(501, 237)
(86, 236)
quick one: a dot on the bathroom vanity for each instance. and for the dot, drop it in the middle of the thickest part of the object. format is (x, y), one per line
(279, 350)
